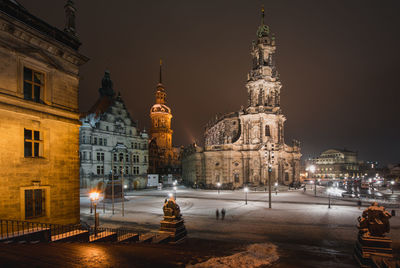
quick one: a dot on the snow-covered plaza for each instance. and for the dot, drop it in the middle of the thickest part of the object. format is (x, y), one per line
(296, 220)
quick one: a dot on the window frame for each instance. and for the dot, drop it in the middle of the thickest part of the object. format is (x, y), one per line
(35, 152)
(32, 84)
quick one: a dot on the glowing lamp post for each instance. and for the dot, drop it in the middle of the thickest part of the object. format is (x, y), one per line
(218, 186)
(175, 192)
(392, 183)
(245, 191)
(276, 188)
(94, 197)
(312, 170)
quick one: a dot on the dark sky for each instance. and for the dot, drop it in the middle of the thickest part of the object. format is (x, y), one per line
(338, 61)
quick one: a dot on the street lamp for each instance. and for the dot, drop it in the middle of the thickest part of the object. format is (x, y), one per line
(276, 188)
(392, 183)
(218, 185)
(245, 191)
(94, 197)
(312, 170)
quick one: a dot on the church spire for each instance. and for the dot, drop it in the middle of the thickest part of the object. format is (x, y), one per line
(262, 15)
(160, 71)
(263, 30)
(70, 17)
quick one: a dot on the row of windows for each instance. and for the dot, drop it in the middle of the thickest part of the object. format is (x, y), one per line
(103, 142)
(135, 170)
(94, 141)
(116, 157)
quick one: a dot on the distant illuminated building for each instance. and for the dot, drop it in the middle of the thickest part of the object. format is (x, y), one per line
(164, 158)
(240, 146)
(39, 117)
(335, 164)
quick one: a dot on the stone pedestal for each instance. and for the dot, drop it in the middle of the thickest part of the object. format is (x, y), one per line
(368, 246)
(174, 227)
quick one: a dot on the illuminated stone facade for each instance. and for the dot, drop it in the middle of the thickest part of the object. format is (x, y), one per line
(240, 146)
(336, 164)
(110, 138)
(164, 158)
(39, 118)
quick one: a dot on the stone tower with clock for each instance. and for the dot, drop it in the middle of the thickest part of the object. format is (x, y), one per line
(164, 159)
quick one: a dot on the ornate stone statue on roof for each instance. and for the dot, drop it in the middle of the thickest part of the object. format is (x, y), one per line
(374, 221)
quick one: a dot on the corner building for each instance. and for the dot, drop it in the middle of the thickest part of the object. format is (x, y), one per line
(240, 146)
(39, 117)
(110, 140)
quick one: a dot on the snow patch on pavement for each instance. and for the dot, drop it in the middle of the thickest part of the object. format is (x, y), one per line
(255, 255)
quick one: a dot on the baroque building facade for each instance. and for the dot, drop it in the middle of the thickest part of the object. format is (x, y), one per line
(164, 158)
(110, 140)
(39, 117)
(247, 147)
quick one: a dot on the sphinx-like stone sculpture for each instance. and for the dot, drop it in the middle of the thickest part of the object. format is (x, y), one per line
(372, 242)
(173, 223)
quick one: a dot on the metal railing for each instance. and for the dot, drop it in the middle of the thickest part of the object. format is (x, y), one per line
(13, 228)
(10, 229)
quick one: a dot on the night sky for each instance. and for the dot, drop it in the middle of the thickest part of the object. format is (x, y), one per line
(338, 63)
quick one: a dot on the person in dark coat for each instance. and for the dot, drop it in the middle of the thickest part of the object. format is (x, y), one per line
(217, 214)
(223, 214)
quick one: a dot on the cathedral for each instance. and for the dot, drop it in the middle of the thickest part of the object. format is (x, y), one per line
(247, 147)
(163, 157)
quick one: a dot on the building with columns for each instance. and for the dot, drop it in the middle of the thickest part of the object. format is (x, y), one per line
(241, 146)
(110, 139)
(164, 158)
(39, 117)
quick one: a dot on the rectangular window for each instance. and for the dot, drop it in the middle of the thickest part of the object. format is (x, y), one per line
(121, 157)
(33, 84)
(84, 156)
(31, 143)
(98, 156)
(135, 145)
(102, 156)
(100, 141)
(126, 170)
(115, 157)
(105, 142)
(34, 203)
(100, 170)
(94, 140)
(127, 158)
(145, 159)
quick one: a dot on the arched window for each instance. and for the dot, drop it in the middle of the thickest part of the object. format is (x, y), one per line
(267, 131)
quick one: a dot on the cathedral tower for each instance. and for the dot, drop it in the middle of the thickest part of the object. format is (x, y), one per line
(161, 116)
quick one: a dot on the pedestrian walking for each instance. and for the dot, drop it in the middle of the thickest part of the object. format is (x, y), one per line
(304, 189)
(223, 214)
(359, 204)
(217, 214)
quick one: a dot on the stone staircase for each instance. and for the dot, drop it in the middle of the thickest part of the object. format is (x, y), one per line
(13, 231)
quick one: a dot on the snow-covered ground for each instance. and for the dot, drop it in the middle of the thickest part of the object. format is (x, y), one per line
(296, 218)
